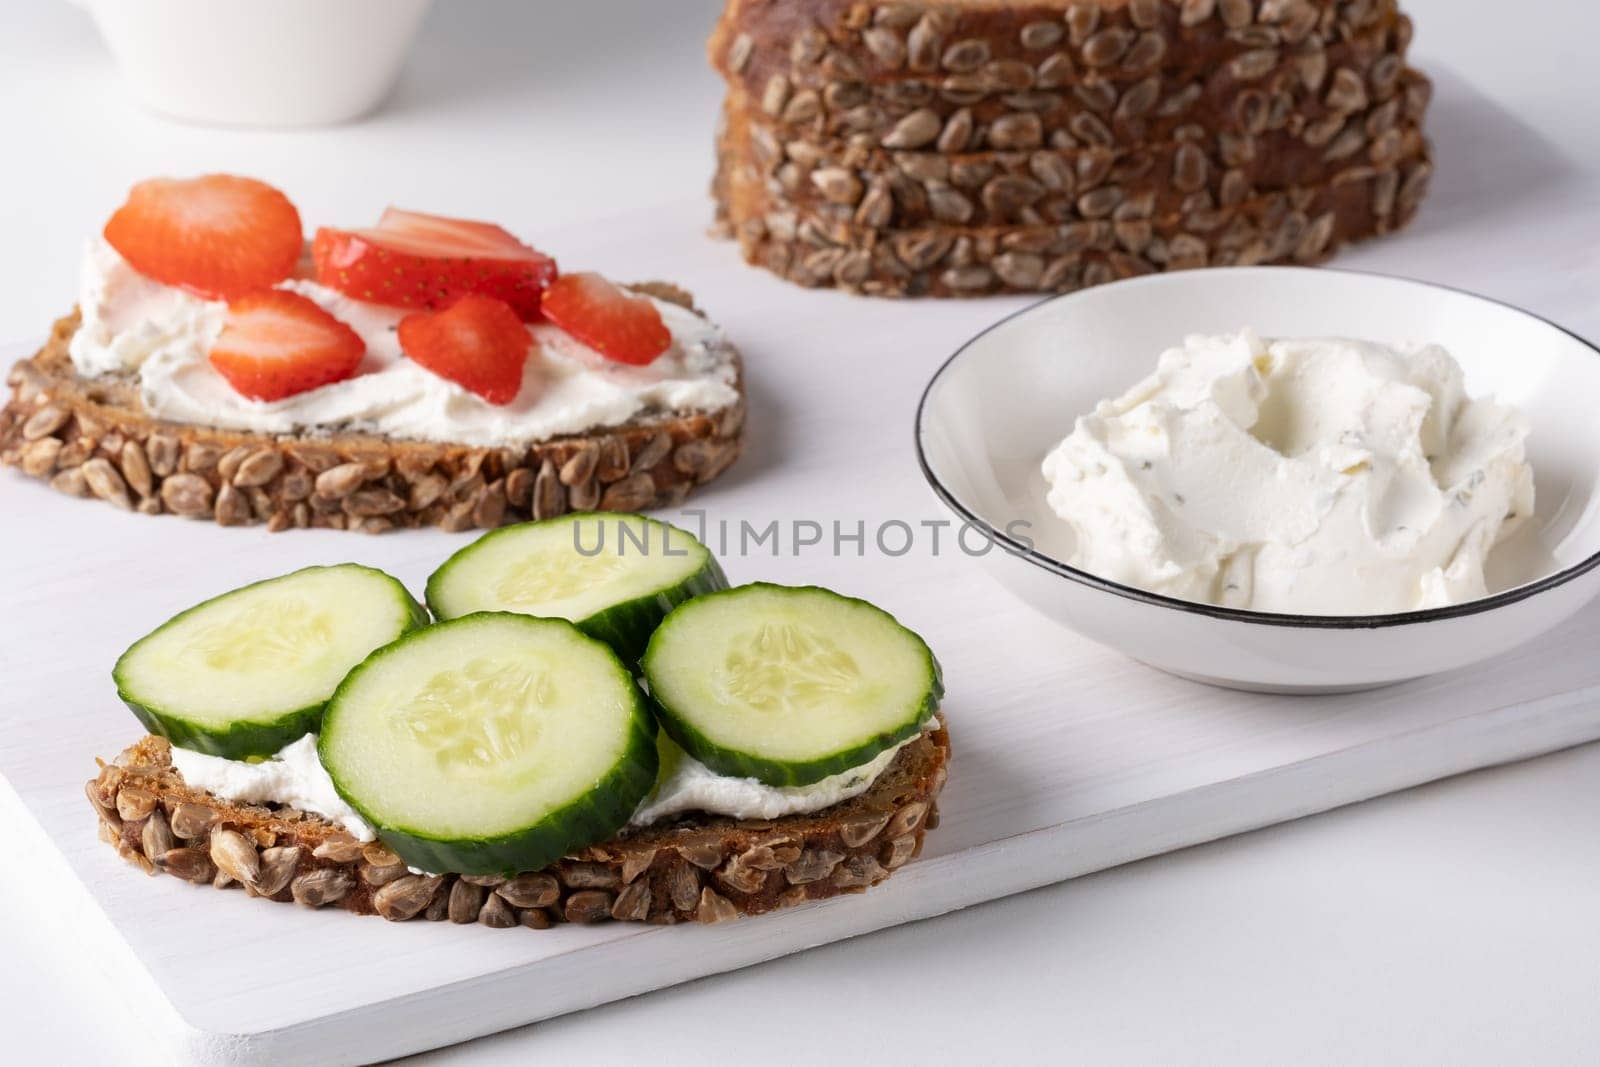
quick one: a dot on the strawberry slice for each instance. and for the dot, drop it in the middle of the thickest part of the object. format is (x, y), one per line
(478, 342)
(414, 260)
(276, 343)
(217, 236)
(607, 318)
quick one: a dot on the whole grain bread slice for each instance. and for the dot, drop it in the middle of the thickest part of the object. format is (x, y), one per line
(93, 438)
(693, 868)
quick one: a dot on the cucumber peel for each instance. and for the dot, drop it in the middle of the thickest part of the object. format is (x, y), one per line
(491, 744)
(249, 671)
(788, 685)
(615, 576)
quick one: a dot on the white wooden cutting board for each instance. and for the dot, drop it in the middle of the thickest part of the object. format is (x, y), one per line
(1069, 758)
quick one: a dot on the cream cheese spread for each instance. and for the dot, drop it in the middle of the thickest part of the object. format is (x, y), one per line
(1308, 476)
(685, 784)
(295, 776)
(161, 336)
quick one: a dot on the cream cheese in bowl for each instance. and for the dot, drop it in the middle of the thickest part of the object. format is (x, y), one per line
(1318, 476)
(1342, 424)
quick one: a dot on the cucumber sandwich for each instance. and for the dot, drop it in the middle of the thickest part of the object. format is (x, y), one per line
(589, 730)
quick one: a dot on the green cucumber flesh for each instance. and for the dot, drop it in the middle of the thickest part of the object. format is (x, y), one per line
(615, 576)
(491, 744)
(788, 685)
(245, 673)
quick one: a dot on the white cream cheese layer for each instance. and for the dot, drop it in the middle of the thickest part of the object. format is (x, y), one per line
(161, 336)
(1308, 476)
(295, 776)
(685, 784)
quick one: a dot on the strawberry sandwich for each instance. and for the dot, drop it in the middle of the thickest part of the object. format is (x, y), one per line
(422, 371)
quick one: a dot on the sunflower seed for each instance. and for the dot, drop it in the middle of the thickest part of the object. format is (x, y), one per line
(967, 55)
(1016, 131)
(47, 420)
(405, 897)
(1348, 143)
(190, 864)
(1055, 72)
(106, 483)
(807, 47)
(683, 886)
(802, 107)
(775, 95)
(1082, 20)
(278, 865)
(1147, 51)
(315, 889)
(39, 457)
(924, 43)
(186, 495)
(1383, 193)
(531, 890)
(589, 906)
(1106, 47)
(338, 850)
(235, 856)
(134, 803)
(190, 821)
(1041, 35)
(1414, 187)
(741, 878)
(464, 902)
(858, 872)
(715, 908)
(813, 865)
(156, 836)
(633, 903)
(906, 819)
(1258, 63)
(915, 130)
(898, 851)
(1236, 13)
(886, 47)
(1348, 92)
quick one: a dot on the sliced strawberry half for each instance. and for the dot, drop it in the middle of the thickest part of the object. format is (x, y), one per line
(414, 260)
(276, 343)
(478, 342)
(607, 318)
(218, 236)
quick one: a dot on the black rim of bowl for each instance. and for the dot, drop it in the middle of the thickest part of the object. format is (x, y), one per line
(1261, 618)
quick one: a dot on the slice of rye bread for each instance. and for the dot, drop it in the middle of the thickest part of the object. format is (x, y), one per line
(693, 868)
(965, 112)
(1009, 188)
(768, 46)
(93, 438)
(1305, 225)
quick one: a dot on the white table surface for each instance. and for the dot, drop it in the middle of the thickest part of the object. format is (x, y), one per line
(1452, 924)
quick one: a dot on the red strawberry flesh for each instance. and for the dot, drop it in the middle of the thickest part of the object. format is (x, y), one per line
(276, 344)
(620, 325)
(218, 236)
(478, 342)
(413, 260)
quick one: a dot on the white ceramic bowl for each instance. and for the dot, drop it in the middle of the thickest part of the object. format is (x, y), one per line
(1011, 393)
(259, 62)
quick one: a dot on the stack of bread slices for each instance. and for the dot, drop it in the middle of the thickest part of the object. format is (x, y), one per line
(967, 147)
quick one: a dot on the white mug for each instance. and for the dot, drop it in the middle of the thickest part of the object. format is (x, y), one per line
(260, 62)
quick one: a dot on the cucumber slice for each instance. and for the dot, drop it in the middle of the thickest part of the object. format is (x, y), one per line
(615, 576)
(249, 671)
(788, 685)
(491, 744)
